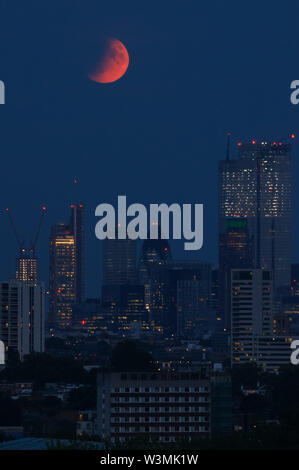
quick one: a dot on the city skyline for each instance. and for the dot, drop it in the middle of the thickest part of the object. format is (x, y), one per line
(176, 245)
(158, 133)
(139, 121)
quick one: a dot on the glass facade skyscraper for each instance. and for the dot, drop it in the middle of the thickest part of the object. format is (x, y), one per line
(257, 186)
(66, 267)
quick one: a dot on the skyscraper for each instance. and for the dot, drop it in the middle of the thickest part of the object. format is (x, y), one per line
(235, 251)
(253, 338)
(66, 267)
(155, 256)
(119, 262)
(22, 316)
(257, 186)
(27, 262)
(153, 274)
(27, 268)
(119, 268)
(190, 287)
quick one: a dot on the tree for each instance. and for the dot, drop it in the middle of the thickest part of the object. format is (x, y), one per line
(127, 356)
(10, 412)
(83, 398)
(42, 367)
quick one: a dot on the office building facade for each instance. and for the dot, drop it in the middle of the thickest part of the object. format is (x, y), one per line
(27, 268)
(66, 267)
(257, 187)
(22, 316)
(254, 335)
(163, 406)
(190, 288)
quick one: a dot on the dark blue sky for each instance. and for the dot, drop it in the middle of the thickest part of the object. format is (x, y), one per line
(198, 69)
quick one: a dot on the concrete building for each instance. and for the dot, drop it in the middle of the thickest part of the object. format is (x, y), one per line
(163, 406)
(253, 333)
(22, 316)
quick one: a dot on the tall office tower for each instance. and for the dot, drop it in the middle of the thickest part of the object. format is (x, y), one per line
(235, 251)
(153, 274)
(26, 263)
(155, 256)
(287, 319)
(215, 290)
(66, 267)
(119, 262)
(77, 229)
(190, 289)
(22, 316)
(295, 280)
(154, 252)
(119, 268)
(27, 268)
(257, 186)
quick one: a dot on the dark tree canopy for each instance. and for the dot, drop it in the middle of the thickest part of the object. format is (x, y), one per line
(127, 356)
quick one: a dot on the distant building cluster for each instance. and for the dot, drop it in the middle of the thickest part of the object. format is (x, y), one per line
(197, 321)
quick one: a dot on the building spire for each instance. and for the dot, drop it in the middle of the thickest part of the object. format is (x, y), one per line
(228, 147)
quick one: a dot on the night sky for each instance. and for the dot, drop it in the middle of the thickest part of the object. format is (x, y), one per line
(197, 70)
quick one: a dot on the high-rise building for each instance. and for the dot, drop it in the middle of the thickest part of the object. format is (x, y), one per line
(295, 280)
(287, 321)
(119, 262)
(119, 268)
(77, 228)
(235, 251)
(123, 306)
(66, 267)
(253, 337)
(154, 252)
(27, 262)
(22, 316)
(153, 274)
(257, 187)
(27, 268)
(190, 288)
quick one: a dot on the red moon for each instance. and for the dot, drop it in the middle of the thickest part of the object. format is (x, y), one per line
(113, 65)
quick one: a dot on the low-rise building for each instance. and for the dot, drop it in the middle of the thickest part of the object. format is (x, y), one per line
(163, 406)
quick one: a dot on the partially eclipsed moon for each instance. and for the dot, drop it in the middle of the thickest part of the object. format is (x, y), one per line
(113, 63)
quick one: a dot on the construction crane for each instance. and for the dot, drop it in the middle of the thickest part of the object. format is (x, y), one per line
(21, 244)
(33, 245)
